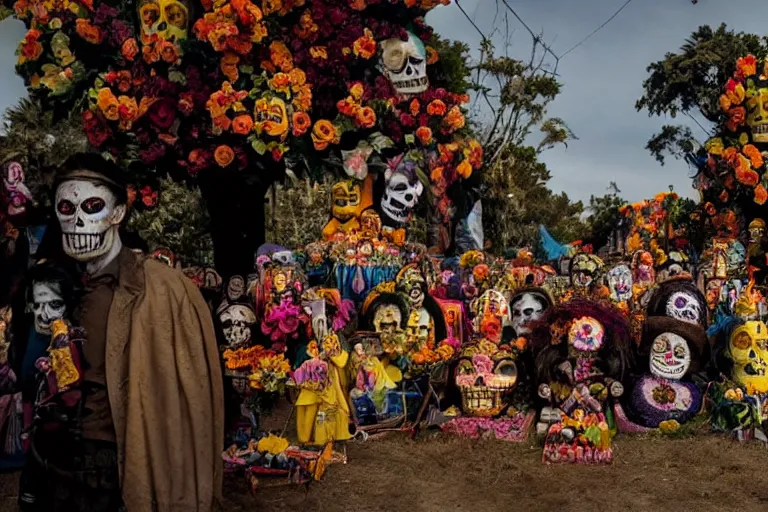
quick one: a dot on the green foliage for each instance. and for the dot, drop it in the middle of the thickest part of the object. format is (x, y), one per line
(452, 70)
(179, 222)
(604, 215)
(690, 82)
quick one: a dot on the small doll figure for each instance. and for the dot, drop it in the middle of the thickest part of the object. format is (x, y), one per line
(18, 193)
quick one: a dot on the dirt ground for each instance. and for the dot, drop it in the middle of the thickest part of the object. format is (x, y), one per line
(438, 473)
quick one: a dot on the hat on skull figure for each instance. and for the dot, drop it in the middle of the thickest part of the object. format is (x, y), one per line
(681, 300)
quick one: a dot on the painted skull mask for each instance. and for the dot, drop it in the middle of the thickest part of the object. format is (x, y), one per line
(757, 110)
(619, 280)
(89, 217)
(346, 198)
(387, 318)
(271, 117)
(527, 308)
(684, 306)
(485, 380)
(586, 334)
(670, 356)
(401, 193)
(748, 349)
(412, 284)
(237, 321)
(405, 64)
(47, 305)
(583, 269)
(756, 231)
(168, 19)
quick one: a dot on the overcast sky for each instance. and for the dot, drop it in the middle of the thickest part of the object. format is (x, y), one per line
(602, 78)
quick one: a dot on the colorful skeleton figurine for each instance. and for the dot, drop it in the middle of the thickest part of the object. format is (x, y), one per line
(370, 381)
(579, 372)
(426, 324)
(665, 392)
(16, 191)
(739, 399)
(585, 271)
(63, 367)
(349, 198)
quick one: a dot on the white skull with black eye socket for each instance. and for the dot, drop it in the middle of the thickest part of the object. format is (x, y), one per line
(400, 196)
(405, 64)
(89, 217)
(670, 356)
(236, 323)
(526, 309)
(684, 307)
(47, 305)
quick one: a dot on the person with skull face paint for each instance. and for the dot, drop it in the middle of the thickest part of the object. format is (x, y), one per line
(152, 356)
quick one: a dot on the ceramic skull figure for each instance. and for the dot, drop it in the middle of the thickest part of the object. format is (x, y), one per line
(670, 356)
(405, 64)
(620, 283)
(237, 320)
(401, 193)
(527, 308)
(89, 217)
(748, 349)
(684, 307)
(47, 305)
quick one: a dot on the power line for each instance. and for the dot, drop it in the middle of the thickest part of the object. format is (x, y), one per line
(536, 37)
(598, 29)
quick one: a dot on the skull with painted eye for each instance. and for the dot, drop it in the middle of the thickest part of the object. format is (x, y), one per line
(405, 64)
(586, 334)
(485, 381)
(685, 307)
(748, 349)
(670, 356)
(271, 117)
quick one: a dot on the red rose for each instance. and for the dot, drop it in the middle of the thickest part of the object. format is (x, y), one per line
(148, 196)
(97, 132)
(407, 120)
(152, 153)
(163, 113)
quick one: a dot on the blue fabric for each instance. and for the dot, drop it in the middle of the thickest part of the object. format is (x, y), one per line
(553, 249)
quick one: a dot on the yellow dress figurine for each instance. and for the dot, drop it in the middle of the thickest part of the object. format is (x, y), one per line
(322, 410)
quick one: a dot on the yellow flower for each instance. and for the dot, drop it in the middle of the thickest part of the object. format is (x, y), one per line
(669, 426)
(272, 444)
(715, 146)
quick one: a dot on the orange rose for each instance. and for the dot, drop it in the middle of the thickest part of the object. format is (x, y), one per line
(736, 118)
(301, 123)
(168, 52)
(365, 45)
(432, 56)
(436, 108)
(761, 194)
(281, 82)
(357, 90)
(323, 134)
(297, 78)
(224, 155)
(228, 66)
(108, 104)
(464, 169)
(415, 107)
(454, 119)
(424, 134)
(319, 52)
(366, 117)
(88, 32)
(128, 111)
(754, 155)
(348, 106)
(242, 124)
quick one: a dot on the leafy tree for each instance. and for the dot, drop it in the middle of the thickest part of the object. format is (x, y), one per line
(690, 82)
(604, 216)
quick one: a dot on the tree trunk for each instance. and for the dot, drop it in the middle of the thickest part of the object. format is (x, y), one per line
(236, 207)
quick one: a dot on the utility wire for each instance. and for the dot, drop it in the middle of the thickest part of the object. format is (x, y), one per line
(598, 29)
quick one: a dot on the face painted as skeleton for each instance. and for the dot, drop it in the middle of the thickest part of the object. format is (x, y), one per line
(89, 217)
(236, 323)
(47, 306)
(670, 356)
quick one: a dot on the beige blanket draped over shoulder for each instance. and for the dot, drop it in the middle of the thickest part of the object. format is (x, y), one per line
(165, 390)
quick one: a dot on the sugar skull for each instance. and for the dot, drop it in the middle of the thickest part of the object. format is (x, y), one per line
(411, 282)
(346, 197)
(679, 299)
(235, 288)
(756, 231)
(485, 379)
(271, 117)
(370, 224)
(168, 19)
(748, 349)
(404, 63)
(584, 268)
(89, 217)
(237, 320)
(619, 280)
(402, 191)
(670, 356)
(586, 334)
(685, 307)
(528, 307)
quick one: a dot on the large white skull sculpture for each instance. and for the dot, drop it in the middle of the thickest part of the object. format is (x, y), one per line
(89, 217)
(400, 195)
(47, 305)
(670, 356)
(236, 323)
(405, 64)
(527, 309)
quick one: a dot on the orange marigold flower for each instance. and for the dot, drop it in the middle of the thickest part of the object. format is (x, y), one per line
(88, 32)
(281, 56)
(365, 45)
(432, 56)
(746, 66)
(454, 119)
(761, 194)
(464, 169)
(224, 155)
(229, 64)
(436, 108)
(301, 123)
(357, 90)
(348, 106)
(108, 104)
(318, 52)
(754, 155)
(366, 117)
(424, 134)
(242, 124)
(297, 77)
(130, 49)
(303, 98)
(280, 82)
(324, 134)
(31, 49)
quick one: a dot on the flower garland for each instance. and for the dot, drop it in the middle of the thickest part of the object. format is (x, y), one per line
(268, 370)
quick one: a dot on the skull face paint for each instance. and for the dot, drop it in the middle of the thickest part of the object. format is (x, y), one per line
(400, 195)
(620, 283)
(405, 64)
(47, 306)
(527, 308)
(236, 323)
(685, 307)
(89, 219)
(748, 349)
(670, 356)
